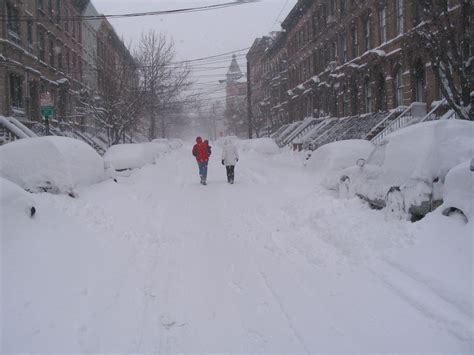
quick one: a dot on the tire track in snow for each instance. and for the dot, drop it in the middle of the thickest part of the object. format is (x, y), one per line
(284, 312)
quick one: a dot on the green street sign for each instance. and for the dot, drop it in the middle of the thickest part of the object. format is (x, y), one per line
(47, 111)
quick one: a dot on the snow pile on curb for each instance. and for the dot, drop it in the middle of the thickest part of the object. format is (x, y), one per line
(329, 160)
(259, 145)
(54, 164)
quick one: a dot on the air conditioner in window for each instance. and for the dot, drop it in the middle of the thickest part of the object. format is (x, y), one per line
(331, 19)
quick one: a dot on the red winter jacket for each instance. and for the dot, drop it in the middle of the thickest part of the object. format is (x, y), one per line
(200, 151)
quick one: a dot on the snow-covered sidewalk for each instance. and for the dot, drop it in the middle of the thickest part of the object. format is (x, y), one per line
(274, 263)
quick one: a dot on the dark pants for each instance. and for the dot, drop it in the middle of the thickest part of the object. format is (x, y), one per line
(230, 173)
(203, 171)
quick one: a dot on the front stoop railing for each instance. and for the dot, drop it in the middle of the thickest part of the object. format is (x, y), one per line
(413, 114)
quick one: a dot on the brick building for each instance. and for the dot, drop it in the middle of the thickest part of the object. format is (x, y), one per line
(255, 63)
(41, 50)
(275, 80)
(59, 46)
(353, 58)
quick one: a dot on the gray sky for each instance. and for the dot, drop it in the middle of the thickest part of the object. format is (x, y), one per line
(200, 34)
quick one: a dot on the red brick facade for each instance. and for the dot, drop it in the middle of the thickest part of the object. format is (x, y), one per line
(350, 57)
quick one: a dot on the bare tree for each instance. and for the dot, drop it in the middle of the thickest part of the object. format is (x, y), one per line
(164, 81)
(236, 116)
(446, 36)
(118, 106)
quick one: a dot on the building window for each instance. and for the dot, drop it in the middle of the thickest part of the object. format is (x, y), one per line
(50, 7)
(29, 34)
(368, 96)
(41, 45)
(419, 82)
(66, 20)
(13, 23)
(366, 28)
(58, 11)
(68, 61)
(51, 51)
(416, 13)
(355, 42)
(400, 20)
(343, 7)
(324, 16)
(16, 90)
(382, 25)
(343, 49)
(333, 53)
(399, 88)
(60, 56)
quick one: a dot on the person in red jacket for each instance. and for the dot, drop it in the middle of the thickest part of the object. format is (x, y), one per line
(201, 153)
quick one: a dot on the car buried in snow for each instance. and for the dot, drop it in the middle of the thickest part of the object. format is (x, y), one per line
(14, 198)
(459, 191)
(405, 174)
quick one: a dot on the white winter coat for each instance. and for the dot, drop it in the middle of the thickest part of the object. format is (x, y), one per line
(230, 155)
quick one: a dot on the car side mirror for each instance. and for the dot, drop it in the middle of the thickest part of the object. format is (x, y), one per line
(360, 163)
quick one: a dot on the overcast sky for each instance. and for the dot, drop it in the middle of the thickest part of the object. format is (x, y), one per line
(200, 34)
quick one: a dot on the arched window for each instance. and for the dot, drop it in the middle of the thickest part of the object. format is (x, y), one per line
(399, 87)
(368, 96)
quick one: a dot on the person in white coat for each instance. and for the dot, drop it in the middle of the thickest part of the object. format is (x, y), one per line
(230, 156)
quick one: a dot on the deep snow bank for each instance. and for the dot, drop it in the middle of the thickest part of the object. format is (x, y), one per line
(55, 164)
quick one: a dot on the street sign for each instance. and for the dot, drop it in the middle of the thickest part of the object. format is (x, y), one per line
(46, 103)
(46, 99)
(47, 111)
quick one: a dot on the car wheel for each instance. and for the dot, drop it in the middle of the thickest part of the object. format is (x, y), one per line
(395, 202)
(344, 183)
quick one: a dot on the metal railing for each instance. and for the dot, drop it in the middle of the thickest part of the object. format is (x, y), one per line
(405, 119)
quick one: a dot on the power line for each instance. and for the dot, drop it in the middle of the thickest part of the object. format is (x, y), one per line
(139, 14)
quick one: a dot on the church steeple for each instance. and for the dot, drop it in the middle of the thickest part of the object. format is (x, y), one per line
(234, 72)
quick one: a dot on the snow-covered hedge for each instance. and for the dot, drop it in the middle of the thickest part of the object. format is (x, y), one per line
(329, 160)
(54, 164)
(13, 197)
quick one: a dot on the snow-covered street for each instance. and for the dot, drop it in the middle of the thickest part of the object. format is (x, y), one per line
(274, 263)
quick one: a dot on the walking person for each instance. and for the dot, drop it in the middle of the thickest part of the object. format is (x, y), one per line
(209, 148)
(230, 156)
(201, 153)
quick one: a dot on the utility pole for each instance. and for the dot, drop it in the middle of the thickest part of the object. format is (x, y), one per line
(249, 101)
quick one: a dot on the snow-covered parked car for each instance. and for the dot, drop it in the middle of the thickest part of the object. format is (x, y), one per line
(406, 172)
(51, 164)
(172, 143)
(329, 160)
(121, 157)
(459, 190)
(258, 145)
(14, 197)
